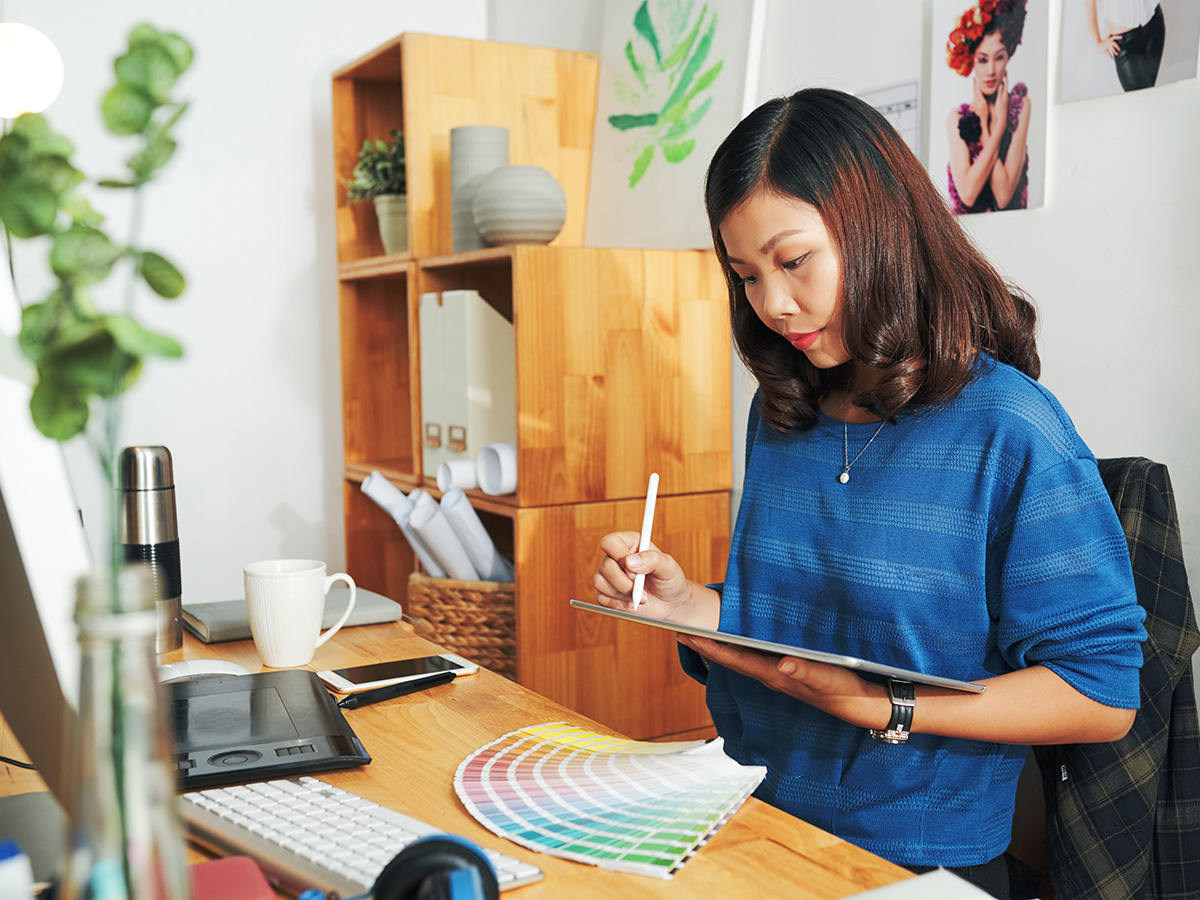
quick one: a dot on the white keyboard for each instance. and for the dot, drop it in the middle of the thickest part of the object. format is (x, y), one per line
(306, 833)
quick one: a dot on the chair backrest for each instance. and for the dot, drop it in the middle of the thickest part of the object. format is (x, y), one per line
(1123, 818)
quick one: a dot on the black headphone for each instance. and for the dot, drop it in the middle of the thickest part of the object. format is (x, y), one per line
(444, 867)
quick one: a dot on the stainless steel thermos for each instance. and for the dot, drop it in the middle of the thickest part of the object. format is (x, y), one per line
(149, 530)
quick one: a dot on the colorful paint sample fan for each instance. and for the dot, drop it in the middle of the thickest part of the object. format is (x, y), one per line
(631, 806)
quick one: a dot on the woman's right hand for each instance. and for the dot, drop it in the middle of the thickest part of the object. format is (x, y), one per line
(1110, 46)
(983, 109)
(667, 594)
(1000, 110)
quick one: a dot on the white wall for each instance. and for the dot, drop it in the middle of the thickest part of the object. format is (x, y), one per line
(252, 414)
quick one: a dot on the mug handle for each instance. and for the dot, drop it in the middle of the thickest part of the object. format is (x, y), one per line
(330, 581)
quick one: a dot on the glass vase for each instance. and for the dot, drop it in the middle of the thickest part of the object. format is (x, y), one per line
(126, 842)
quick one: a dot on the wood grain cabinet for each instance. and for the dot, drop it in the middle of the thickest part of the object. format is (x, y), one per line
(622, 359)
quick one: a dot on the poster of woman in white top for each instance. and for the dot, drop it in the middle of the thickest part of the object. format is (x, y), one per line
(1118, 46)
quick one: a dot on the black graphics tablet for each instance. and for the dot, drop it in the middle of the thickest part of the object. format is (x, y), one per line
(232, 729)
(834, 659)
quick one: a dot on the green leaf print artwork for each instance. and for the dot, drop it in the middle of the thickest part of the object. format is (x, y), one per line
(667, 87)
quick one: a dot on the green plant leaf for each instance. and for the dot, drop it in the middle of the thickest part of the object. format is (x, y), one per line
(162, 276)
(644, 27)
(674, 153)
(86, 355)
(625, 121)
(179, 49)
(55, 173)
(83, 254)
(149, 68)
(77, 206)
(144, 33)
(60, 411)
(36, 130)
(35, 174)
(39, 322)
(157, 152)
(179, 110)
(673, 114)
(638, 71)
(27, 210)
(693, 65)
(379, 170)
(127, 109)
(640, 165)
(683, 127)
(685, 46)
(138, 341)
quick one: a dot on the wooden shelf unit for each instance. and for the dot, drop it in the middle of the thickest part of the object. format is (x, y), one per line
(622, 370)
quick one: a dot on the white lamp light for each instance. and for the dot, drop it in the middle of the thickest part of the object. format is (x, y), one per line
(31, 70)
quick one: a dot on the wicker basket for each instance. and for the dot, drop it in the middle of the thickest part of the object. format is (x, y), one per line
(475, 619)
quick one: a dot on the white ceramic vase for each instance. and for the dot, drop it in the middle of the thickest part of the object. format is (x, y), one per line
(392, 212)
(475, 150)
(520, 205)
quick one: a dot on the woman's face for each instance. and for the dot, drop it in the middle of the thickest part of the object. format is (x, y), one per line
(791, 272)
(991, 59)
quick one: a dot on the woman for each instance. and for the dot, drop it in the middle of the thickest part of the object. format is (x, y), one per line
(989, 166)
(911, 496)
(1135, 39)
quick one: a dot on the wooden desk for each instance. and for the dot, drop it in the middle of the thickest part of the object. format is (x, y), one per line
(417, 742)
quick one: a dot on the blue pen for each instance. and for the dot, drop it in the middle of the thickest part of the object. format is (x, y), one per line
(366, 698)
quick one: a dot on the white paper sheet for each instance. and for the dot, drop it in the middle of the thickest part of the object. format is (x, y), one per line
(400, 508)
(428, 521)
(488, 562)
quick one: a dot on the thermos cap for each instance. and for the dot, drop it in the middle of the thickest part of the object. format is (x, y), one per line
(145, 469)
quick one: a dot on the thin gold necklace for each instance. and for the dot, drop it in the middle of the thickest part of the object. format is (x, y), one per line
(846, 461)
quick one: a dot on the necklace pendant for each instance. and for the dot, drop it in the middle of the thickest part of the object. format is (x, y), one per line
(844, 477)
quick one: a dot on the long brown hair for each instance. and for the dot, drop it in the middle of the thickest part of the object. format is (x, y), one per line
(921, 301)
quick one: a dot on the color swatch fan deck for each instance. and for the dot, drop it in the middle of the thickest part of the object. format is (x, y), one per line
(631, 806)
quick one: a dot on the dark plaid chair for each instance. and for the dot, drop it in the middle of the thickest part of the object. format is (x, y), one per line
(1123, 818)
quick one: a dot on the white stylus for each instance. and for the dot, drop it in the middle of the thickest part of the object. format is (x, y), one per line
(639, 581)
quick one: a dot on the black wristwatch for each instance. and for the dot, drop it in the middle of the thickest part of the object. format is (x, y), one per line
(904, 697)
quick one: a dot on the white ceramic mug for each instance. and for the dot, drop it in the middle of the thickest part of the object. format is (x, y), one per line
(286, 602)
(496, 469)
(457, 473)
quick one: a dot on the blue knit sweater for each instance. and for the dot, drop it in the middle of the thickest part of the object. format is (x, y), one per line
(971, 540)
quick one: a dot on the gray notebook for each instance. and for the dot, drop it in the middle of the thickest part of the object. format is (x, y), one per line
(227, 620)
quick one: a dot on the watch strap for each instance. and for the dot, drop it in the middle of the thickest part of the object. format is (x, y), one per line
(903, 695)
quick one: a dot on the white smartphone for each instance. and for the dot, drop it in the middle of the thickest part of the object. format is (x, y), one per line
(376, 675)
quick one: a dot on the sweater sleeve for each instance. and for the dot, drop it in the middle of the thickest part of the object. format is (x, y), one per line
(1061, 584)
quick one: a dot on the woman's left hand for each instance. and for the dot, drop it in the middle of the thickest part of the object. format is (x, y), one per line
(833, 689)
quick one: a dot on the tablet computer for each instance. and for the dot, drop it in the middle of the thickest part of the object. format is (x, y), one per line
(834, 659)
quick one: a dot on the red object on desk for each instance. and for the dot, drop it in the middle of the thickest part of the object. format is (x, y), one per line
(229, 878)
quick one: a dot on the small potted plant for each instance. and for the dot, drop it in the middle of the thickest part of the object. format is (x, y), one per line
(379, 176)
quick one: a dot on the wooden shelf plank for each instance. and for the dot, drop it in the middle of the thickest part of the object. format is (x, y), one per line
(402, 478)
(375, 267)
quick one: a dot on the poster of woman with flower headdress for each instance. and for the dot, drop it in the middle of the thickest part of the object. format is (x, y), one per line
(990, 154)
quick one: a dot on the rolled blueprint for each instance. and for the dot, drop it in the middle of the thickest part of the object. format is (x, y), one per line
(433, 527)
(490, 565)
(400, 508)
